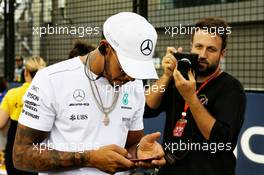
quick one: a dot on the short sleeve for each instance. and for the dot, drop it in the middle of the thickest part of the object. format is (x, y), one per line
(137, 119)
(38, 110)
(5, 103)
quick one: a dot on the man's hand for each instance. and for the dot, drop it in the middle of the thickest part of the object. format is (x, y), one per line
(185, 87)
(155, 93)
(111, 159)
(169, 62)
(148, 147)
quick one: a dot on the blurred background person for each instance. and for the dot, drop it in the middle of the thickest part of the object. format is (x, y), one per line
(19, 70)
(80, 48)
(3, 88)
(11, 108)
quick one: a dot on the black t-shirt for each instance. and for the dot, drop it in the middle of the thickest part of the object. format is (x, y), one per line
(224, 98)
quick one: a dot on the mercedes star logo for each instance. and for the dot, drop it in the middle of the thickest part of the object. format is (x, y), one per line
(78, 95)
(146, 47)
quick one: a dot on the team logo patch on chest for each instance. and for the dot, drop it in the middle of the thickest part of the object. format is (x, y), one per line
(79, 98)
(125, 102)
(125, 99)
(79, 95)
(203, 99)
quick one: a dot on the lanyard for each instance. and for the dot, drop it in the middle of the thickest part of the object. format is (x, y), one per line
(186, 106)
(181, 123)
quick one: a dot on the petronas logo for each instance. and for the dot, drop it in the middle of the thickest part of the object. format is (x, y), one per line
(125, 99)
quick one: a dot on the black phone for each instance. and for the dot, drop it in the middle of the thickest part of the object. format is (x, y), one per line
(144, 159)
(187, 61)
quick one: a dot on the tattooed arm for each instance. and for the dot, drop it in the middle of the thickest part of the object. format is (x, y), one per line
(26, 156)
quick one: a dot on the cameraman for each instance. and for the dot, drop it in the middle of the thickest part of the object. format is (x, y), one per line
(205, 110)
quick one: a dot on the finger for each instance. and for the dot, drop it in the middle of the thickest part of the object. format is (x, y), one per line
(170, 50)
(120, 150)
(160, 151)
(180, 49)
(178, 76)
(152, 164)
(169, 57)
(169, 66)
(172, 60)
(123, 162)
(194, 74)
(151, 138)
(145, 165)
(191, 76)
(159, 162)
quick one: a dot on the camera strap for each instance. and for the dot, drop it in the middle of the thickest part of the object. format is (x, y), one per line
(181, 123)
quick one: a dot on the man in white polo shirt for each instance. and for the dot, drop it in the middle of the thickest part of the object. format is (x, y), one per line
(84, 115)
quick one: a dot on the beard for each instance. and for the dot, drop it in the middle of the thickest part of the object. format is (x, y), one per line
(108, 75)
(204, 69)
(114, 82)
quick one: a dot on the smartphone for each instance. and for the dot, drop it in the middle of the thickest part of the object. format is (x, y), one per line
(144, 159)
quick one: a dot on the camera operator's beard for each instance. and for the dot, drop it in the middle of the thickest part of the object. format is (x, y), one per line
(207, 71)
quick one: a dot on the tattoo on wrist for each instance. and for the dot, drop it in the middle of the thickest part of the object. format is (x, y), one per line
(81, 159)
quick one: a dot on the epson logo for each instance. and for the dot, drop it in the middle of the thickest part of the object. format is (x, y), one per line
(33, 96)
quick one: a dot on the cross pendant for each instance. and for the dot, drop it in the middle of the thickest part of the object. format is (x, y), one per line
(106, 120)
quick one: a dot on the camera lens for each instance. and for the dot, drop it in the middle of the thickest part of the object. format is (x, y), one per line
(185, 64)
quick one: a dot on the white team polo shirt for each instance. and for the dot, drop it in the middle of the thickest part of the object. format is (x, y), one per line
(60, 101)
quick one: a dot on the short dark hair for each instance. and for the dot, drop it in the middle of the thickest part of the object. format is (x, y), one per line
(214, 24)
(19, 58)
(80, 48)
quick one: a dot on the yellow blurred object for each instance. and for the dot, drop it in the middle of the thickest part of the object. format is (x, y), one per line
(2, 164)
(2, 158)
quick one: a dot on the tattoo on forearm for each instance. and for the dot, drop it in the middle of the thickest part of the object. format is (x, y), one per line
(27, 158)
